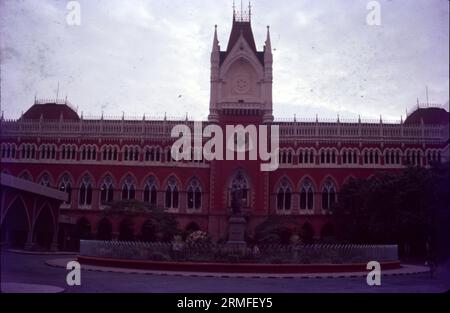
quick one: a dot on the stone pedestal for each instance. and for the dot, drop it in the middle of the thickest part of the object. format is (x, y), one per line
(236, 232)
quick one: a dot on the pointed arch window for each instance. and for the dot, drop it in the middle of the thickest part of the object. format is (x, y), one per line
(106, 191)
(307, 195)
(239, 182)
(284, 195)
(25, 176)
(172, 194)
(150, 192)
(65, 185)
(194, 195)
(128, 189)
(85, 193)
(328, 195)
(45, 180)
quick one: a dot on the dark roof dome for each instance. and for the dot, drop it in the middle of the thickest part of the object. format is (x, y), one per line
(430, 116)
(51, 110)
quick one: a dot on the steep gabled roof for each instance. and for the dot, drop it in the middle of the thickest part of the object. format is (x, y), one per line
(244, 28)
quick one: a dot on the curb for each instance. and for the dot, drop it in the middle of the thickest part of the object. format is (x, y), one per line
(404, 270)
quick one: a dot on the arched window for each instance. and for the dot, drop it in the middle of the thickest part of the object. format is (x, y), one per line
(150, 192)
(307, 195)
(128, 189)
(45, 180)
(25, 176)
(172, 194)
(66, 186)
(300, 157)
(239, 182)
(328, 195)
(344, 157)
(284, 195)
(106, 191)
(8, 151)
(85, 193)
(194, 195)
(88, 153)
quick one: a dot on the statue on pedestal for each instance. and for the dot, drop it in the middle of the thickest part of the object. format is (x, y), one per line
(236, 201)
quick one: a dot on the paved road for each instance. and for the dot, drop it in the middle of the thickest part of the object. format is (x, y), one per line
(22, 268)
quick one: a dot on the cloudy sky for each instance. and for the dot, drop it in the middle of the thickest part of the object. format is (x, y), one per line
(153, 56)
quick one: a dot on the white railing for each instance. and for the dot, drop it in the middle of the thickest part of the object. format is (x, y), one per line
(124, 128)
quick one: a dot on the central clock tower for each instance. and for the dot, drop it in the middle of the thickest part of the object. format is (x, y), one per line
(241, 94)
(241, 76)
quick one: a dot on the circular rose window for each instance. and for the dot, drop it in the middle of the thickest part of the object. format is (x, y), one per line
(241, 84)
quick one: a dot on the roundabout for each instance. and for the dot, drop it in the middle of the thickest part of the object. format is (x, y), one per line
(301, 261)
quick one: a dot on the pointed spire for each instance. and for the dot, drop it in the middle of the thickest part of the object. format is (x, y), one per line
(268, 43)
(215, 41)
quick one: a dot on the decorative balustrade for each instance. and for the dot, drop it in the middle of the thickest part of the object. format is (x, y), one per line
(162, 128)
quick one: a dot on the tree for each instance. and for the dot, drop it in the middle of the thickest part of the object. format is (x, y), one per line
(160, 225)
(404, 208)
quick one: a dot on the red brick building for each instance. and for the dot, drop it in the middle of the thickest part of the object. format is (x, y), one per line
(98, 161)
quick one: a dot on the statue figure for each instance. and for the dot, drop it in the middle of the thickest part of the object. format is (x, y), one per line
(236, 201)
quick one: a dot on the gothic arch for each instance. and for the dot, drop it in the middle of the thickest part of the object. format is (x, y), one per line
(332, 179)
(80, 179)
(16, 225)
(106, 174)
(194, 178)
(239, 174)
(280, 180)
(50, 177)
(150, 175)
(174, 176)
(26, 172)
(303, 179)
(45, 205)
(61, 176)
(44, 226)
(11, 203)
(236, 56)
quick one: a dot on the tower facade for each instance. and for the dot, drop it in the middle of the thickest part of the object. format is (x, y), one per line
(241, 76)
